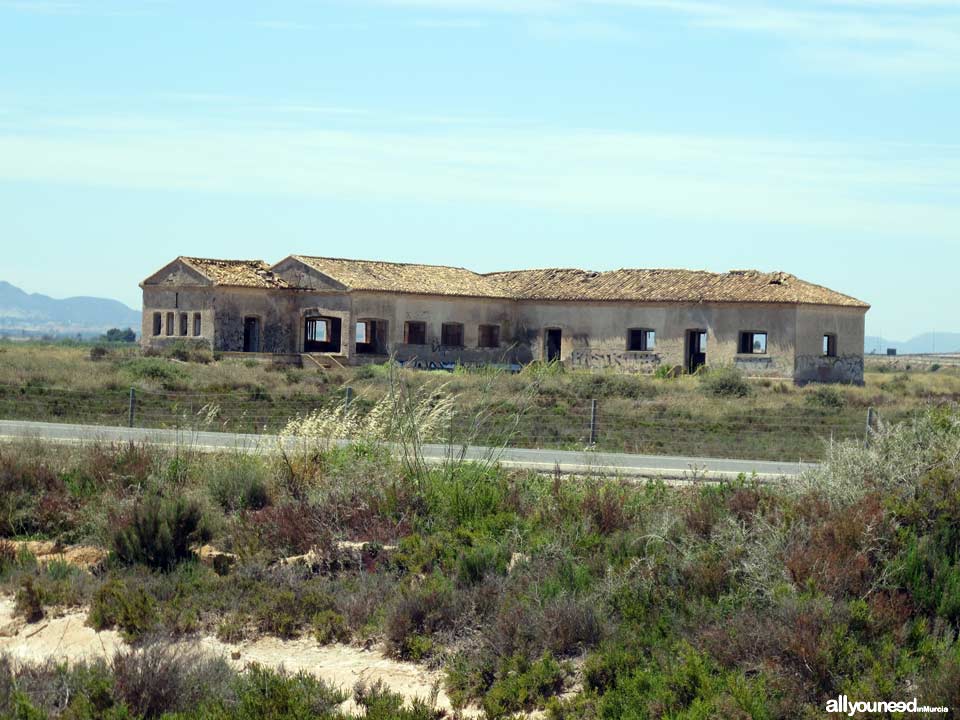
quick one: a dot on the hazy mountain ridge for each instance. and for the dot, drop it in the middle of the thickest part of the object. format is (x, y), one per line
(941, 342)
(35, 312)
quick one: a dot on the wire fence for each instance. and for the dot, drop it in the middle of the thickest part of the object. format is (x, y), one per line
(615, 425)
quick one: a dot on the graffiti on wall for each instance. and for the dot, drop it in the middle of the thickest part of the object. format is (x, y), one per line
(754, 363)
(619, 359)
(421, 363)
(816, 368)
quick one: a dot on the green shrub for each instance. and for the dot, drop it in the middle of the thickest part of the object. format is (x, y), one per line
(263, 693)
(522, 685)
(330, 627)
(125, 606)
(239, 484)
(724, 381)
(29, 600)
(160, 533)
(827, 396)
(151, 368)
(416, 615)
(475, 563)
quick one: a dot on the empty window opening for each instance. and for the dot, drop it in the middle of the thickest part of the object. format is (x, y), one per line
(415, 332)
(372, 337)
(753, 343)
(696, 350)
(552, 344)
(169, 323)
(157, 323)
(488, 336)
(451, 335)
(183, 324)
(197, 325)
(322, 334)
(251, 334)
(641, 339)
(830, 345)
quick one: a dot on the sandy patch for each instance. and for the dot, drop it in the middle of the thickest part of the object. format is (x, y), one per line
(83, 556)
(67, 637)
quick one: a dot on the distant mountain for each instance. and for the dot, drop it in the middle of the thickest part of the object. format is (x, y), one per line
(32, 313)
(926, 343)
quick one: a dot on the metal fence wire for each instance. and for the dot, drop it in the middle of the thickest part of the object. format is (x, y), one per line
(636, 426)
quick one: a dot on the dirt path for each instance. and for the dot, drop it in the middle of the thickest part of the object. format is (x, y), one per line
(68, 638)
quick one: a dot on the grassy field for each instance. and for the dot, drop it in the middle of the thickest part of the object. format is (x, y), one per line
(594, 600)
(538, 407)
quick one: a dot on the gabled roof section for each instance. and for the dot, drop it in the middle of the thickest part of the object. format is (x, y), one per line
(668, 286)
(377, 276)
(235, 273)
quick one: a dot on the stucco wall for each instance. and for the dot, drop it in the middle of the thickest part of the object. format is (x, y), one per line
(396, 309)
(595, 334)
(222, 312)
(847, 324)
(176, 300)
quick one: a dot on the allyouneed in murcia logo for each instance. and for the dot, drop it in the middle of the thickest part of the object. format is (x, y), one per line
(845, 705)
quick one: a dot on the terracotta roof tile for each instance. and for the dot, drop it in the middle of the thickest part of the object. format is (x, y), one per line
(236, 273)
(668, 286)
(628, 285)
(405, 277)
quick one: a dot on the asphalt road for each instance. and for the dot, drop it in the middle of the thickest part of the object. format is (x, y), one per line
(566, 462)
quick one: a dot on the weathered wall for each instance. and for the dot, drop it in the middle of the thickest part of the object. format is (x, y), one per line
(222, 311)
(166, 299)
(595, 334)
(847, 324)
(397, 308)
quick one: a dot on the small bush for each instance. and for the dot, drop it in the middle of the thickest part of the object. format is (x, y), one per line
(475, 563)
(98, 352)
(161, 533)
(151, 368)
(827, 396)
(726, 381)
(524, 686)
(330, 627)
(29, 601)
(8, 556)
(129, 608)
(417, 614)
(239, 485)
(163, 679)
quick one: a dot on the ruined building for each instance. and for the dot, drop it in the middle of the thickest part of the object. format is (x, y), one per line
(356, 311)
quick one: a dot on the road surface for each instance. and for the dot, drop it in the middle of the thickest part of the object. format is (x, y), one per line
(566, 462)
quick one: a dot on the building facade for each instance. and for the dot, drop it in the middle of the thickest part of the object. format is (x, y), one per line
(354, 311)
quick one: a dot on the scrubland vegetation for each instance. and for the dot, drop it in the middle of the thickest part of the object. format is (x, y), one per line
(589, 598)
(717, 414)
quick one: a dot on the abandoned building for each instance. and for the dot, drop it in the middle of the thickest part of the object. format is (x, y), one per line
(330, 310)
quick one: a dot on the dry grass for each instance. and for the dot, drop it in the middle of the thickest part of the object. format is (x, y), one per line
(538, 407)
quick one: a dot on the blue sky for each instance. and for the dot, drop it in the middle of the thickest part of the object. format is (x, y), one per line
(817, 137)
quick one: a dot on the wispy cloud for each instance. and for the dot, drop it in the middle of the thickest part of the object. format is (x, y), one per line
(449, 23)
(914, 36)
(283, 25)
(887, 189)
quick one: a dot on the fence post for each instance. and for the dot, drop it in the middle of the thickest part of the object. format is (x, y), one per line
(132, 408)
(347, 398)
(593, 422)
(870, 423)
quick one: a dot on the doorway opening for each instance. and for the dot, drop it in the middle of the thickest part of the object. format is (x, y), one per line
(553, 338)
(251, 334)
(696, 350)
